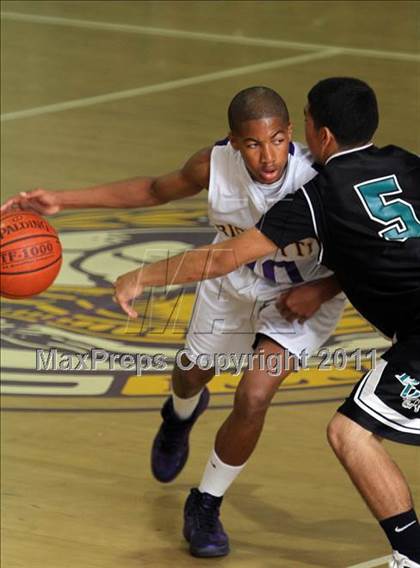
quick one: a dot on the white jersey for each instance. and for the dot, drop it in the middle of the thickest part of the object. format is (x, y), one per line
(230, 312)
(237, 203)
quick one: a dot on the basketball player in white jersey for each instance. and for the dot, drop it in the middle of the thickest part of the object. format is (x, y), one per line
(245, 175)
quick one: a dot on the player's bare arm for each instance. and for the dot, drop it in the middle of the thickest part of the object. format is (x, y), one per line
(193, 266)
(130, 193)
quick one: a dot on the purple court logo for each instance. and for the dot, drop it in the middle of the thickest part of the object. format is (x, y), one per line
(77, 315)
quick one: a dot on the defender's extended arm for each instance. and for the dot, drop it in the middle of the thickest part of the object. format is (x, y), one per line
(193, 266)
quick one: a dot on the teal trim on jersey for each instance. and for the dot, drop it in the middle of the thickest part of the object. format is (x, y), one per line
(397, 214)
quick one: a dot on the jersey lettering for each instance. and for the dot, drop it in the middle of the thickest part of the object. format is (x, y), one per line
(270, 268)
(397, 214)
(229, 230)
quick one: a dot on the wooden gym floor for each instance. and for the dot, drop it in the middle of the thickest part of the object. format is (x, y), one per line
(96, 91)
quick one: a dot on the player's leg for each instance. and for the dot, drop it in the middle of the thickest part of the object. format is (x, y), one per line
(253, 396)
(240, 432)
(235, 441)
(179, 413)
(361, 452)
(382, 405)
(189, 399)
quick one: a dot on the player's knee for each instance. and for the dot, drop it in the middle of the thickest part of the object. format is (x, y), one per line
(345, 435)
(335, 434)
(251, 403)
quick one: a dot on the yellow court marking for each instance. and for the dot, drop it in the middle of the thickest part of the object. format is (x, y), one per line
(159, 384)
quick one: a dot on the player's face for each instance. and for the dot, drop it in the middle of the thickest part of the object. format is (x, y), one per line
(264, 146)
(313, 137)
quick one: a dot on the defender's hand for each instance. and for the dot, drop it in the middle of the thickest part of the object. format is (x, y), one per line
(39, 200)
(127, 288)
(302, 302)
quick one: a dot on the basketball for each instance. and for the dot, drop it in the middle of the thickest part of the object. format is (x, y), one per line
(30, 252)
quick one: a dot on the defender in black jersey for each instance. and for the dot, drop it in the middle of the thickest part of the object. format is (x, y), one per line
(364, 207)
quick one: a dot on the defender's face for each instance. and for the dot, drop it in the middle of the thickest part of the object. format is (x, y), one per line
(264, 146)
(313, 137)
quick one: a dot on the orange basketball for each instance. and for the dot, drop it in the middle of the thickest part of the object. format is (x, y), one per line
(30, 253)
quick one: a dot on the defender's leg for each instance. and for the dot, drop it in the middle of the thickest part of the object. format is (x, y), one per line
(381, 406)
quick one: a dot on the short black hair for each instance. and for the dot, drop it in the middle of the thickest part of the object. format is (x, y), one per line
(255, 103)
(347, 106)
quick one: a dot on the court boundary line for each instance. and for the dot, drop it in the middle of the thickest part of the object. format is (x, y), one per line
(157, 409)
(291, 389)
(205, 36)
(169, 85)
(372, 563)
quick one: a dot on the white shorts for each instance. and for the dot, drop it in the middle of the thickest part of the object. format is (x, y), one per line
(227, 321)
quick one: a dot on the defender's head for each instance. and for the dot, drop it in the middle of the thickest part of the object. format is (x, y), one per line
(342, 113)
(260, 129)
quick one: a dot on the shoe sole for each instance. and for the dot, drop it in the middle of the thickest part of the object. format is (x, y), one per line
(203, 553)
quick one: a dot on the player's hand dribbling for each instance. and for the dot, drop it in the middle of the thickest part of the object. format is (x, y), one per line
(40, 201)
(127, 288)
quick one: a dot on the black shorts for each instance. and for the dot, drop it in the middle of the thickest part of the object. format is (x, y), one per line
(386, 400)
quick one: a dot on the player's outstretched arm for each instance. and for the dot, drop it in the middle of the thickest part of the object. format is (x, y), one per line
(135, 192)
(192, 266)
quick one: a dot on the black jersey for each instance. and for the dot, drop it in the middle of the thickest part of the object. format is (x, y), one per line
(364, 207)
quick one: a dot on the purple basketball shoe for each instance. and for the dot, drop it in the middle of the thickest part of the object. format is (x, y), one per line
(202, 527)
(170, 446)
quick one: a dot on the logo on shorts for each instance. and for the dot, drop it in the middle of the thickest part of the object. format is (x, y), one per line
(410, 394)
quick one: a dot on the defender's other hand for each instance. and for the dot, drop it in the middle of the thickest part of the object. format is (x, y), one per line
(300, 303)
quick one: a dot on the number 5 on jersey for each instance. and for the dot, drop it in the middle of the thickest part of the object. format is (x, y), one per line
(396, 214)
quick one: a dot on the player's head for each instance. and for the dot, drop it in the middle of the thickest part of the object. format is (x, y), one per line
(342, 113)
(260, 129)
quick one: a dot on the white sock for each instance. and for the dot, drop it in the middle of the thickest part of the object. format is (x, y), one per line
(184, 407)
(218, 476)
